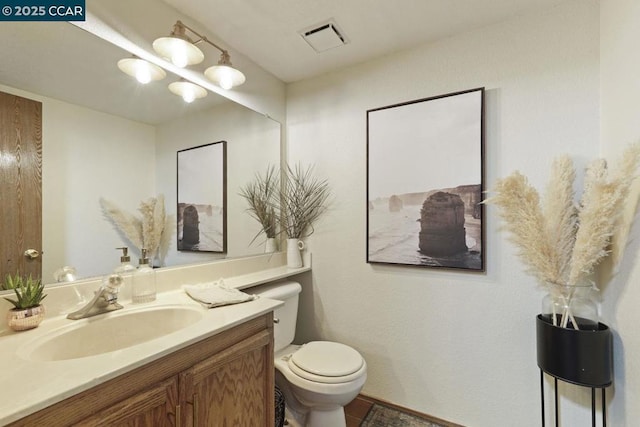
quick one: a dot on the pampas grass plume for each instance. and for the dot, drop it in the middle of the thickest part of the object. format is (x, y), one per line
(523, 218)
(149, 232)
(561, 243)
(128, 224)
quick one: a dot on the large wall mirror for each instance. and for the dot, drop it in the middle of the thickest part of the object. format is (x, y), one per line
(106, 136)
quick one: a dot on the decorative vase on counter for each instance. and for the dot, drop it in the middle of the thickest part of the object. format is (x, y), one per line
(25, 318)
(294, 257)
(270, 245)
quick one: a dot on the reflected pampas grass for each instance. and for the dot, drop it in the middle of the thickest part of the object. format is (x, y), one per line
(129, 225)
(150, 231)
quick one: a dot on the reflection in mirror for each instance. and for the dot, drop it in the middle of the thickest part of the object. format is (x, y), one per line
(105, 135)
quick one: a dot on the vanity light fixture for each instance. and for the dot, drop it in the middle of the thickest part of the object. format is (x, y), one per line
(187, 90)
(181, 50)
(142, 70)
(223, 74)
(178, 47)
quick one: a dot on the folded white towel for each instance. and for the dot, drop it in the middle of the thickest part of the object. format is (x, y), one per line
(216, 294)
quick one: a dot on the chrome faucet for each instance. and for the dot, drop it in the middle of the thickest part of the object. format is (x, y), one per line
(104, 301)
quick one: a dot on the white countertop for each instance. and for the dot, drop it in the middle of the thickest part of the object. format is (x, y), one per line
(28, 386)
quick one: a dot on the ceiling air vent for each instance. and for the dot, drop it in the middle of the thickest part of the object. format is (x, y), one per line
(324, 36)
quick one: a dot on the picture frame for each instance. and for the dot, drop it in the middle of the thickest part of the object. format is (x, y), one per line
(202, 198)
(425, 182)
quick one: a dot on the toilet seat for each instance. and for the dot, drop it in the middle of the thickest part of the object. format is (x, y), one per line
(326, 362)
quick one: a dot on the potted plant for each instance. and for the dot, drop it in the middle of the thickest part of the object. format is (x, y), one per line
(561, 242)
(28, 311)
(303, 199)
(262, 196)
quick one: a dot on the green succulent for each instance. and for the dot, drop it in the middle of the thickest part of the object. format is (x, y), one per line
(28, 291)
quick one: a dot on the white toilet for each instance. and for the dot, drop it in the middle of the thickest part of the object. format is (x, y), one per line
(317, 378)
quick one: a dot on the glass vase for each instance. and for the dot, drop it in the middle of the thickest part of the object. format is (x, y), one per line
(571, 307)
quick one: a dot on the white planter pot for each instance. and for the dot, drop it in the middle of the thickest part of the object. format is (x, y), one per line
(270, 245)
(294, 257)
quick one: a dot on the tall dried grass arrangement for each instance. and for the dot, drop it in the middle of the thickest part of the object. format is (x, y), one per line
(150, 231)
(304, 199)
(561, 242)
(262, 196)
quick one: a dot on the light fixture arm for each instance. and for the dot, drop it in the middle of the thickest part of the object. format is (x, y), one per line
(180, 27)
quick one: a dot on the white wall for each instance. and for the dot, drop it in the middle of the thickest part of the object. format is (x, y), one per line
(620, 125)
(459, 346)
(88, 155)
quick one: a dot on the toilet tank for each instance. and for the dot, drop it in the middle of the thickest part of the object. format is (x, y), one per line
(287, 291)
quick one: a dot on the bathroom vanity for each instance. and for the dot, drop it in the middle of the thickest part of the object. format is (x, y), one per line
(226, 379)
(170, 362)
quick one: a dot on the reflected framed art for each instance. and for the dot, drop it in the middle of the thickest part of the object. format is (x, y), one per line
(202, 198)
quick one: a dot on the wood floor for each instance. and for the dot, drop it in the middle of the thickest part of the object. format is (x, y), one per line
(357, 410)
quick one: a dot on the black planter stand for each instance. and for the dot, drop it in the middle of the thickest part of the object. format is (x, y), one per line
(581, 357)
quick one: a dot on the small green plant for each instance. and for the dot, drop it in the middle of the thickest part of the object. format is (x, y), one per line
(28, 291)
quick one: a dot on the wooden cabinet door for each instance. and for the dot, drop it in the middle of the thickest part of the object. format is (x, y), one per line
(233, 387)
(153, 407)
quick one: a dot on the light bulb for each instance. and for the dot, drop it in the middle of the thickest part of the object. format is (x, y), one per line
(224, 76)
(179, 60)
(143, 74)
(179, 55)
(188, 91)
(188, 96)
(226, 80)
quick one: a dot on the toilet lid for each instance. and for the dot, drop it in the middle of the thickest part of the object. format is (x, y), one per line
(325, 361)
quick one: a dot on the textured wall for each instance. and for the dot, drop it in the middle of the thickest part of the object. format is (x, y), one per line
(458, 346)
(620, 91)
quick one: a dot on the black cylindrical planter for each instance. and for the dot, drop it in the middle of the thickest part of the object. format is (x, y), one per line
(580, 357)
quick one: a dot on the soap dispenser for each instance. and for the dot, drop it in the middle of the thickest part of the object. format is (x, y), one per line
(144, 281)
(125, 269)
(125, 263)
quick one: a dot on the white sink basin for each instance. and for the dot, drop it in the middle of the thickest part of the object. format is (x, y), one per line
(113, 331)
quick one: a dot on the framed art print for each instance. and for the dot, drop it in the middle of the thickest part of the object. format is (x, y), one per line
(425, 182)
(202, 198)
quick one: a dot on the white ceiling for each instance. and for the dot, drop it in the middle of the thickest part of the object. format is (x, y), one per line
(267, 31)
(63, 62)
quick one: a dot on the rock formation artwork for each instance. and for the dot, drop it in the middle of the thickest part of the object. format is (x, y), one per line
(442, 231)
(200, 227)
(436, 228)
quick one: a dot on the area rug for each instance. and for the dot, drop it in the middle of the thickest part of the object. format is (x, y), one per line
(383, 416)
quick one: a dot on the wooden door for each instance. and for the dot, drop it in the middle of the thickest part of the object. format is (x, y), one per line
(233, 388)
(20, 185)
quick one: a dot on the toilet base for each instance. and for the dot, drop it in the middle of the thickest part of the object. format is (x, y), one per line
(334, 418)
(293, 419)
